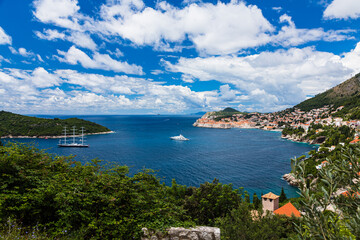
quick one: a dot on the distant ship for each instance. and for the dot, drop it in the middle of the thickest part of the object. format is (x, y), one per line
(73, 142)
(179, 138)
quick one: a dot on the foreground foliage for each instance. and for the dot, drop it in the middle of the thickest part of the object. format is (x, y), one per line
(63, 199)
(329, 214)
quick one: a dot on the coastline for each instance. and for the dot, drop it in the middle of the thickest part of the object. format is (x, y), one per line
(54, 137)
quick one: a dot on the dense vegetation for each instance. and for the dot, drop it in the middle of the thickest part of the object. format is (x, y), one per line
(319, 195)
(225, 113)
(331, 134)
(19, 125)
(346, 94)
(56, 197)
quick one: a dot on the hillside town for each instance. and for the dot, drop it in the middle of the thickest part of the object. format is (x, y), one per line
(278, 120)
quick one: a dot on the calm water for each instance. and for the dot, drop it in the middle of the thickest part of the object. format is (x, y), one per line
(249, 158)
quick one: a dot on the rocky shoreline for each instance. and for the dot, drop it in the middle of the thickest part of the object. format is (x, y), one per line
(52, 137)
(290, 178)
(302, 139)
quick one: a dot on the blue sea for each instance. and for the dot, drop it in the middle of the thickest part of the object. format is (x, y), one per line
(249, 158)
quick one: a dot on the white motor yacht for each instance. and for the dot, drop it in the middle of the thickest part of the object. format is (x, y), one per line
(180, 138)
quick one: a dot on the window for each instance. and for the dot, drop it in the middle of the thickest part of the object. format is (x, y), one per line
(270, 200)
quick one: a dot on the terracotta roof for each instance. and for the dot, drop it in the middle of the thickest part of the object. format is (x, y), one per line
(346, 194)
(288, 210)
(270, 195)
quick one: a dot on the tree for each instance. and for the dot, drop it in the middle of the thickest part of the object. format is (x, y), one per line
(282, 196)
(247, 197)
(256, 201)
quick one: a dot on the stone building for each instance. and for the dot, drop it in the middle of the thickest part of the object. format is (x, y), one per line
(270, 203)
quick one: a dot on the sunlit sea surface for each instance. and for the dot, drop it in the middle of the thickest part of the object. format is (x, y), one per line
(249, 158)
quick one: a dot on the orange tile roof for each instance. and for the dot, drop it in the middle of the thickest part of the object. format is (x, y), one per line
(288, 210)
(346, 194)
(270, 195)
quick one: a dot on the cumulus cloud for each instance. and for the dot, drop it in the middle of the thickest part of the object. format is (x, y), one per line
(40, 90)
(343, 9)
(352, 59)
(98, 61)
(212, 29)
(4, 38)
(272, 80)
(62, 13)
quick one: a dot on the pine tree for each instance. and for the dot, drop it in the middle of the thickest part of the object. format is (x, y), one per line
(246, 197)
(256, 201)
(282, 196)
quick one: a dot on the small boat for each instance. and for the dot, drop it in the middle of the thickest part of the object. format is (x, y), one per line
(73, 143)
(179, 138)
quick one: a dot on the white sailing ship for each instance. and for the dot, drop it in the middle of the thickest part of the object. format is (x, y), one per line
(73, 141)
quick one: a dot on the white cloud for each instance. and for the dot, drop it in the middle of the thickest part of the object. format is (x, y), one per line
(13, 50)
(343, 9)
(214, 29)
(289, 35)
(277, 9)
(59, 12)
(272, 80)
(2, 59)
(80, 39)
(352, 59)
(4, 38)
(40, 90)
(98, 61)
(117, 53)
(157, 72)
(23, 52)
(42, 78)
(39, 58)
(50, 34)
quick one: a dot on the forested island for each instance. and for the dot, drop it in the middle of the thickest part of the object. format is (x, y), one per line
(16, 125)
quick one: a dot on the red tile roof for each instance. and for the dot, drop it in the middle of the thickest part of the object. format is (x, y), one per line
(288, 210)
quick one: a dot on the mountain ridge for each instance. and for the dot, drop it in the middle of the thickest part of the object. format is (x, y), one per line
(345, 94)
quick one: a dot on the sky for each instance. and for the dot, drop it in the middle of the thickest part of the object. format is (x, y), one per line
(173, 57)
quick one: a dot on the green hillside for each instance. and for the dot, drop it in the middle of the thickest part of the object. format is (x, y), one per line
(229, 110)
(346, 94)
(19, 125)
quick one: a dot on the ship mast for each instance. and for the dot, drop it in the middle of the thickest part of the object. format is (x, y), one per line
(82, 135)
(65, 135)
(73, 134)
